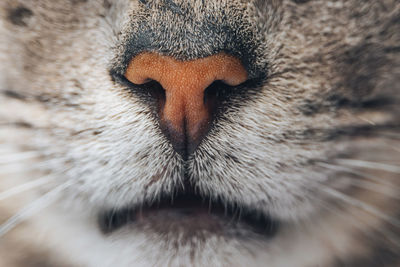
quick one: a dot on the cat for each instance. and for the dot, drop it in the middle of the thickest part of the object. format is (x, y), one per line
(199, 133)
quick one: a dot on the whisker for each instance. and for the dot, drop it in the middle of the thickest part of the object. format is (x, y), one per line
(26, 186)
(359, 204)
(369, 165)
(15, 168)
(32, 208)
(367, 182)
(358, 173)
(356, 223)
(373, 187)
(10, 158)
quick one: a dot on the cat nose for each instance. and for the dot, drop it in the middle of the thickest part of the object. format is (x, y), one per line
(185, 114)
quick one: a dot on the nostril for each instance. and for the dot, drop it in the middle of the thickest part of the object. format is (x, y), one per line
(212, 95)
(216, 94)
(151, 92)
(156, 92)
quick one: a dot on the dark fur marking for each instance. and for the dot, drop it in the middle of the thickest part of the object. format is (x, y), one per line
(355, 131)
(13, 94)
(392, 49)
(145, 3)
(23, 124)
(18, 124)
(334, 102)
(97, 132)
(76, 2)
(19, 16)
(345, 132)
(46, 99)
(362, 68)
(173, 7)
(40, 98)
(94, 131)
(107, 4)
(301, 1)
(391, 27)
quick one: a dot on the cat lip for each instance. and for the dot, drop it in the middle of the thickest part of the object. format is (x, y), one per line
(190, 213)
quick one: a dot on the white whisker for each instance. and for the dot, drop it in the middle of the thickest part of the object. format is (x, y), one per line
(373, 187)
(10, 158)
(358, 173)
(370, 183)
(16, 168)
(357, 223)
(19, 167)
(362, 205)
(369, 165)
(34, 207)
(26, 186)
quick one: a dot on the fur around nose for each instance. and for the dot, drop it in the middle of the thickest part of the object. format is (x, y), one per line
(184, 115)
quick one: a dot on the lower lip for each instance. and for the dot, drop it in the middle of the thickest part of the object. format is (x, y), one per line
(189, 221)
(182, 220)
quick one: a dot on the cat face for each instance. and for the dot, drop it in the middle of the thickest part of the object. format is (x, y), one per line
(316, 115)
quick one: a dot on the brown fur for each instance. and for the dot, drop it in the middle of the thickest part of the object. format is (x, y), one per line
(313, 140)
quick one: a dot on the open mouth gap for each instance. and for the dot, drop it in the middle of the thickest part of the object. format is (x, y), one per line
(189, 205)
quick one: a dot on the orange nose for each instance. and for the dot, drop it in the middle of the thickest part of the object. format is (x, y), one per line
(185, 114)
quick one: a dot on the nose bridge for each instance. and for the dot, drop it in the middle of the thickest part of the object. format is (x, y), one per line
(186, 79)
(171, 72)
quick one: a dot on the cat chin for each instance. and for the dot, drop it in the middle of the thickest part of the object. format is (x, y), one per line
(136, 246)
(80, 242)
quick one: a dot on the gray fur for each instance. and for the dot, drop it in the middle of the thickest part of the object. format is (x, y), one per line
(330, 73)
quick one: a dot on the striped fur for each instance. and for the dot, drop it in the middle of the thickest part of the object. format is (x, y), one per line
(314, 142)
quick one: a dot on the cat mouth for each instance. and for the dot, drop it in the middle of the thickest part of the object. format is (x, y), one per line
(189, 214)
